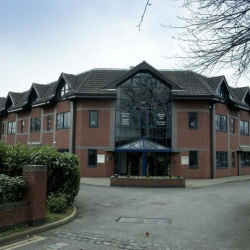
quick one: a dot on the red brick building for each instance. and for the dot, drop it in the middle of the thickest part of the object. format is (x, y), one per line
(138, 120)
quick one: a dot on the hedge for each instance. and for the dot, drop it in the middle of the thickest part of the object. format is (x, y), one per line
(11, 188)
(63, 168)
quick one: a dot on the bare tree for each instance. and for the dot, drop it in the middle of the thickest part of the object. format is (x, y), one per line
(216, 35)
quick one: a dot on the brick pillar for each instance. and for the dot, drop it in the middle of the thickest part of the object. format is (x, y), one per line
(35, 177)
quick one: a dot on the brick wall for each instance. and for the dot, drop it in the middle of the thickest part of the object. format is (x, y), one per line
(33, 209)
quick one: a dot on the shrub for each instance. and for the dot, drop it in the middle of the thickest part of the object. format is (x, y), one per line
(16, 157)
(63, 171)
(11, 188)
(3, 151)
(57, 203)
(63, 168)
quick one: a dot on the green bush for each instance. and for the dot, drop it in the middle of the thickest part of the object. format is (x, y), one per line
(63, 171)
(11, 188)
(57, 203)
(63, 168)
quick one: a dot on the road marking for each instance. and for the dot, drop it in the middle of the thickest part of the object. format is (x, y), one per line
(23, 243)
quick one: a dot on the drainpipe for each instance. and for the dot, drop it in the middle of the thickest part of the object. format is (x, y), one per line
(74, 126)
(212, 139)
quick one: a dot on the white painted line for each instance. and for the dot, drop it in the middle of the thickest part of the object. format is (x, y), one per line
(23, 243)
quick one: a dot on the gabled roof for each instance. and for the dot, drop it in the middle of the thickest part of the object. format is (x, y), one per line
(142, 67)
(97, 83)
(241, 92)
(214, 82)
(143, 145)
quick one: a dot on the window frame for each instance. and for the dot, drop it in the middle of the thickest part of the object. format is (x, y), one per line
(244, 127)
(11, 129)
(36, 128)
(221, 155)
(65, 89)
(90, 165)
(97, 119)
(189, 120)
(243, 159)
(63, 120)
(197, 159)
(220, 128)
(49, 121)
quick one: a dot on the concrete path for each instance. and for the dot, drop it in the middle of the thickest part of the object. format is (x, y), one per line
(190, 183)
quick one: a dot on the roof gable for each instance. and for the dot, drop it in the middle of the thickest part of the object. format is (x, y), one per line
(141, 68)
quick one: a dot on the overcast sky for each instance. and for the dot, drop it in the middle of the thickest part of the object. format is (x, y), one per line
(39, 39)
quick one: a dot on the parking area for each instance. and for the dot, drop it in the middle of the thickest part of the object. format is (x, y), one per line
(211, 217)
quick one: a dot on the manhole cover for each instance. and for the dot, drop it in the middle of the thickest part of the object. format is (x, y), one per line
(140, 220)
(158, 203)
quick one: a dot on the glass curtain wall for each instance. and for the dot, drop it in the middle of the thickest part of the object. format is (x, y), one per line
(143, 110)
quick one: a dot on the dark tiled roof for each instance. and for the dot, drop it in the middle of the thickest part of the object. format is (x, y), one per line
(95, 82)
(241, 92)
(2, 102)
(214, 82)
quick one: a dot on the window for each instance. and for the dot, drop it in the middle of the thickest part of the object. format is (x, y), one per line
(221, 123)
(48, 122)
(92, 157)
(193, 159)
(245, 159)
(232, 125)
(93, 118)
(11, 127)
(65, 89)
(62, 120)
(35, 124)
(244, 128)
(233, 159)
(22, 126)
(221, 160)
(192, 120)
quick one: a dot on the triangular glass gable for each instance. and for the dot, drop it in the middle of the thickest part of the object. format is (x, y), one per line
(143, 144)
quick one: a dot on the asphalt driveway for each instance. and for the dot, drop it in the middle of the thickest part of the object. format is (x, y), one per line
(212, 217)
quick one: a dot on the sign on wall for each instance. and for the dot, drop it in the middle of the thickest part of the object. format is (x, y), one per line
(184, 160)
(161, 120)
(125, 118)
(100, 158)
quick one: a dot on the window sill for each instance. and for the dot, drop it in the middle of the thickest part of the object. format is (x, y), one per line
(35, 131)
(222, 168)
(245, 166)
(61, 128)
(92, 166)
(193, 168)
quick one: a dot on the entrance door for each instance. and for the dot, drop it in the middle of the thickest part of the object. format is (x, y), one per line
(134, 162)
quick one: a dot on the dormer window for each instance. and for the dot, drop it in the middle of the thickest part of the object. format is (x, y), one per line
(33, 98)
(65, 89)
(223, 91)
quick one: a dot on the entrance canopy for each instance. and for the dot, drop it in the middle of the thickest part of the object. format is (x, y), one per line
(143, 145)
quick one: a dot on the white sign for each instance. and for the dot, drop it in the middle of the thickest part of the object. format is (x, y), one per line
(100, 158)
(184, 160)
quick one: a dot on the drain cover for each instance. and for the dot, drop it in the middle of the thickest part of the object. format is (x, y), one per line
(140, 220)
